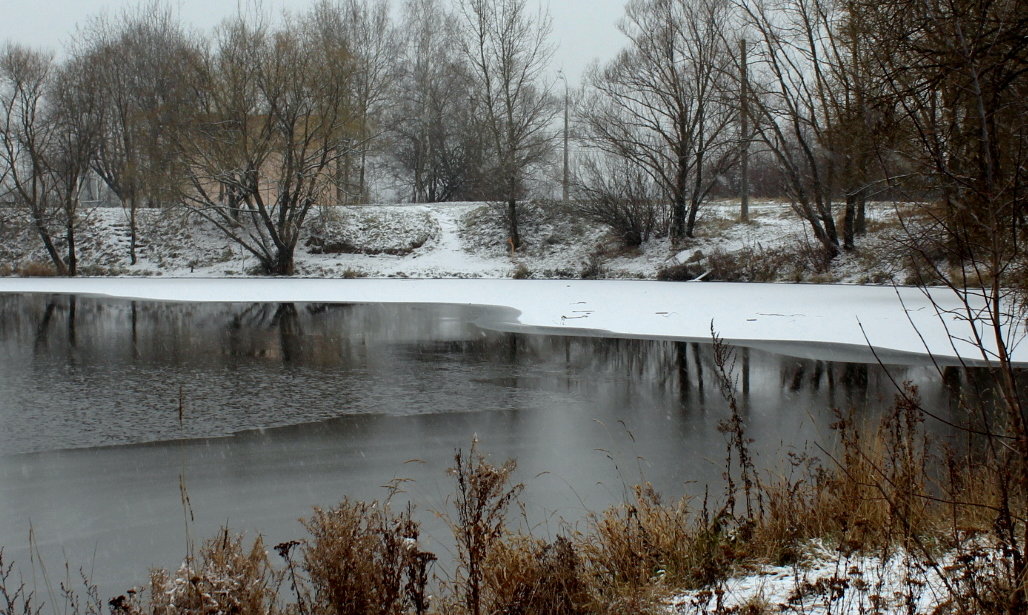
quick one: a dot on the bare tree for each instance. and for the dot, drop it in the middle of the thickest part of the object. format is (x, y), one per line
(273, 113)
(137, 65)
(794, 102)
(955, 73)
(621, 195)
(508, 50)
(663, 104)
(434, 140)
(364, 27)
(49, 126)
(25, 75)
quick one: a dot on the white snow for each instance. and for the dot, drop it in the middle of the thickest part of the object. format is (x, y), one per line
(438, 246)
(894, 320)
(831, 583)
(440, 240)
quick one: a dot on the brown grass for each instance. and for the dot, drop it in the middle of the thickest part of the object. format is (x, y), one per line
(362, 558)
(227, 577)
(527, 575)
(36, 269)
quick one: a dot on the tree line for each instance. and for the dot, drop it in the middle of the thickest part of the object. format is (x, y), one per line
(828, 103)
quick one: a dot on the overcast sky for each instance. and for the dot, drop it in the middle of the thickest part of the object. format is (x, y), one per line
(583, 29)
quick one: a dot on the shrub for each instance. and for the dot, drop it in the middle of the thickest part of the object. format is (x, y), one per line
(484, 493)
(227, 578)
(643, 545)
(593, 268)
(530, 576)
(521, 272)
(759, 264)
(624, 199)
(361, 558)
(36, 269)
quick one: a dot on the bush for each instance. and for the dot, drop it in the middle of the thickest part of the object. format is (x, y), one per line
(361, 558)
(521, 272)
(759, 264)
(530, 576)
(624, 199)
(593, 268)
(228, 578)
(36, 269)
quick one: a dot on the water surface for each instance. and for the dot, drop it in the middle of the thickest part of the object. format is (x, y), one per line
(260, 411)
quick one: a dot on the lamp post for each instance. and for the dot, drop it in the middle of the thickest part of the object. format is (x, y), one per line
(564, 193)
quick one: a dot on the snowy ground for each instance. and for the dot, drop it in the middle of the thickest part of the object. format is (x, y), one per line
(830, 583)
(453, 240)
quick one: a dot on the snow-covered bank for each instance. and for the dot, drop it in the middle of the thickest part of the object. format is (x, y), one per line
(833, 583)
(792, 318)
(469, 240)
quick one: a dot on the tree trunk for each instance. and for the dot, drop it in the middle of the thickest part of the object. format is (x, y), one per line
(829, 224)
(849, 221)
(744, 153)
(362, 197)
(132, 231)
(690, 223)
(51, 249)
(73, 259)
(283, 263)
(678, 216)
(512, 219)
(860, 227)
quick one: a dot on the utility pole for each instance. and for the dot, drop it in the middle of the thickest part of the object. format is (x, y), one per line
(744, 136)
(566, 181)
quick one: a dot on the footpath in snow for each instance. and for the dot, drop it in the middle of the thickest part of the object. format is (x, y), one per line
(822, 321)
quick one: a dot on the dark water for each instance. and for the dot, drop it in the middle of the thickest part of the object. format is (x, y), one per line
(109, 407)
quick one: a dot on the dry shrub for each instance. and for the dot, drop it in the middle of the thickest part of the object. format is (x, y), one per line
(872, 496)
(522, 272)
(529, 576)
(634, 547)
(361, 558)
(226, 578)
(484, 493)
(36, 269)
(622, 198)
(760, 264)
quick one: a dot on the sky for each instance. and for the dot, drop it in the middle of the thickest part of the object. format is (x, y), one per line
(583, 29)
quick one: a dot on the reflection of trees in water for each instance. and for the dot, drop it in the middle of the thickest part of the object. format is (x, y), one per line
(43, 328)
(334, 336)
(46, 322)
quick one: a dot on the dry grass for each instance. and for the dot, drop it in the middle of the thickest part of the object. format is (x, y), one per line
(527, 575)
(362, 558)
(15, 598)
(796, 263)
(36, 269)
(227, 577)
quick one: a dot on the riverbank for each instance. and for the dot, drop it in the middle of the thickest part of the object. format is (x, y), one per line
(469, 240)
